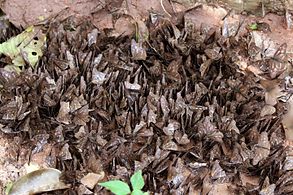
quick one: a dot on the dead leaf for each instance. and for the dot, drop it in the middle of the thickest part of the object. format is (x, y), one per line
(91, 179)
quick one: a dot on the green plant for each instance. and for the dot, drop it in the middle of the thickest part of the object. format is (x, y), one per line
(118, 187)
(8, 187)
(253, 26)
(25, 48)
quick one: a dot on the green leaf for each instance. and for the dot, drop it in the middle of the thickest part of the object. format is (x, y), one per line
(8, 188)
(253, 26)
(137, 181)
(117, 187)
(27, 47)
(137, 192)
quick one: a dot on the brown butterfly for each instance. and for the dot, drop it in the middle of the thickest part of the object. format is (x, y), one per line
(277, 64)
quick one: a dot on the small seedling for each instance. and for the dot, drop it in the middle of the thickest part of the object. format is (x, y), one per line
(118, 187)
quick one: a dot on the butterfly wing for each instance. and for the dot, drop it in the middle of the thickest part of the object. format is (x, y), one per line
(281, 53)
(278, 63)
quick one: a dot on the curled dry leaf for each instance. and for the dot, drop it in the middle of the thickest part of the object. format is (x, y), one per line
(261, 149)
(84, 190)
(249, 180)
(142, 31)
(222, 188)
(172, 70)
(132, 86)
(181, 138)
(231, 25)
(217, 171)
(64, 115)
(137, 50)
(42, 180)
(233, 126)
(178, 174)
(214, 53)
(270, 190)
(288, 163)
(171, 128)
(267, 110)
(287, 120)
(206, 126)
(272, 95)
(170, 145)
(92, 37)
(205, 67)
(262, 41)
(65, 153)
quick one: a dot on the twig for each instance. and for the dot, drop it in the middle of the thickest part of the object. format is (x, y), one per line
(165, 9)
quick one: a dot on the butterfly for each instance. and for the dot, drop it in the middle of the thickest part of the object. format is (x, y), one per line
(276, 65)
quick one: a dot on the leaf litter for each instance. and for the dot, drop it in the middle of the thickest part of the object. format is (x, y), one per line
(181, 102)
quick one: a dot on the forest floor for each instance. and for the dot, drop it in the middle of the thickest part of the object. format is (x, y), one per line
(196, 96)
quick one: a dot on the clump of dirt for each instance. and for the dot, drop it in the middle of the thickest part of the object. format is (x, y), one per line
(179, 102)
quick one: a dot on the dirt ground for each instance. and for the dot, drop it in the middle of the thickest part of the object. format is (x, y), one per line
(194, 94)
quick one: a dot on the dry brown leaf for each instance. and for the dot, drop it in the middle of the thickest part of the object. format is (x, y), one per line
(91, 179)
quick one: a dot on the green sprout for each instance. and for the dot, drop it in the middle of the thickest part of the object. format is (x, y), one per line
(253, 26)
(118, 187)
